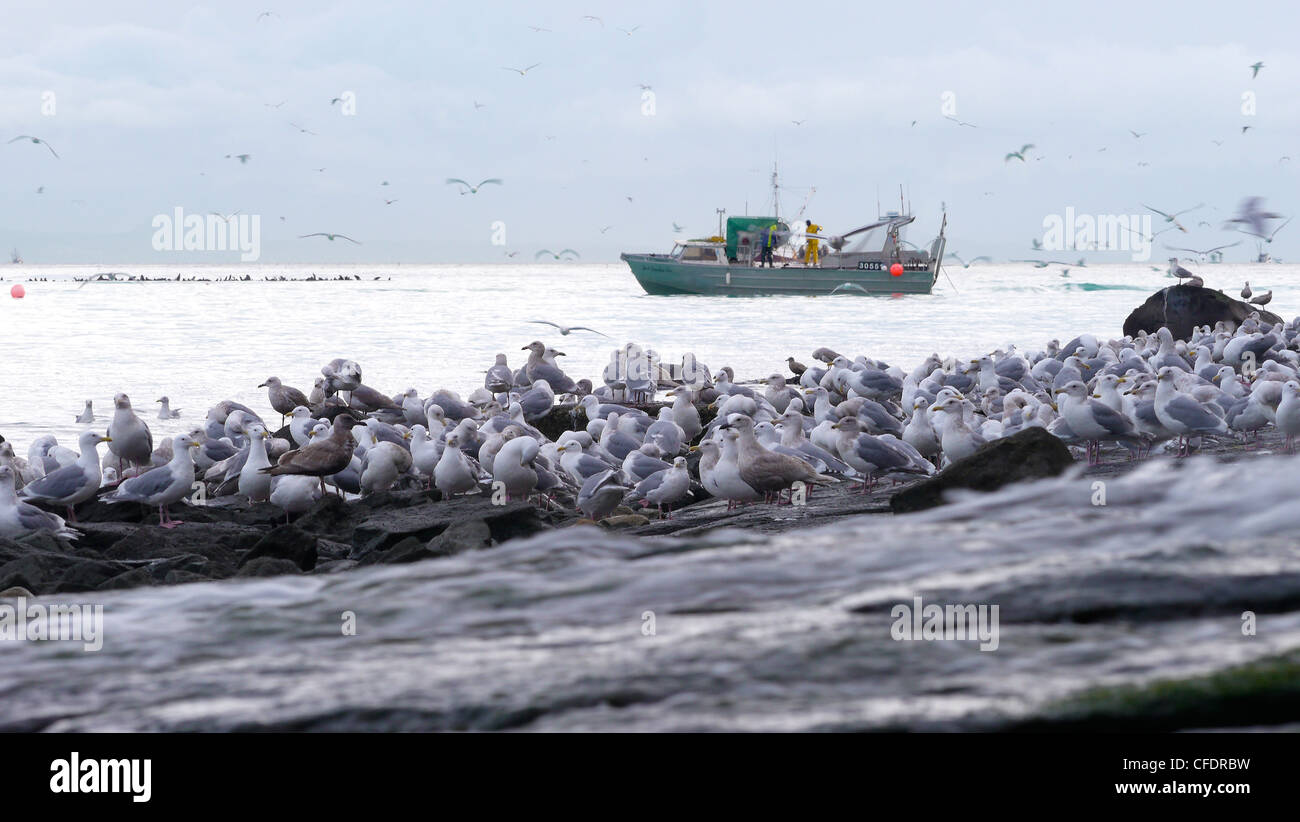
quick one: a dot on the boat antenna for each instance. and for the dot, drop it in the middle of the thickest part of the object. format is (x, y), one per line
(720, 211)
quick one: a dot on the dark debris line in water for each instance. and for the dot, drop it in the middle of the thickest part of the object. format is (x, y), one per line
(753, 631)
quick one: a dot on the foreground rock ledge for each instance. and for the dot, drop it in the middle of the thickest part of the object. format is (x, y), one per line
(1029, 454)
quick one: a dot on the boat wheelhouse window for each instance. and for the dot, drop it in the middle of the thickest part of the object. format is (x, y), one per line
(700, 254)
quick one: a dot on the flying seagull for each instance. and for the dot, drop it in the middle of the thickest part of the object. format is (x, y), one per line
(965, 264)
(36, 140)
(389, 202)
(1137, 135)
(1019, 155)
(798, 122)
(554, 255)
(1251, 213)
(275, 105)
(303, 130)
(469, 189)
(594, 19)
(1254, 70)
(1173, 218)
(1276, 230)
(1204, 253)
(242, 158)
(628, 32)
(266, 14)
(565, 330)
(330, 237)
(522, 71)
(677, 229)
(958, 122)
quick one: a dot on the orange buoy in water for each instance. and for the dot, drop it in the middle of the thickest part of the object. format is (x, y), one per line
(896, 269)
(18, 292)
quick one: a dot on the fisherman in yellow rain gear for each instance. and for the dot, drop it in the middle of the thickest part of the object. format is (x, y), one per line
(812, 257)
(770, 239)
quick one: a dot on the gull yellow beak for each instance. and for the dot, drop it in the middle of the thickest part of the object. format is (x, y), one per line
(934, 408)
(105, 439)
(693, 449)
(1096, 396)
(1215, 378)
(1085, 365)
(1122, 379)
(1054, 408)
(196, 444)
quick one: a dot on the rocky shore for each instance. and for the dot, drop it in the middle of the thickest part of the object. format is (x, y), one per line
(122, 546)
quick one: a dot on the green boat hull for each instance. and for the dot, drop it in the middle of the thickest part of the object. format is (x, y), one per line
(662, 275)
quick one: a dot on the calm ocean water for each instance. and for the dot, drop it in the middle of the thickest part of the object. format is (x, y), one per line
(440, 326)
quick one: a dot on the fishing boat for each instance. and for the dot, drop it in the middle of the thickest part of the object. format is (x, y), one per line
(871, 259)
(15, 257)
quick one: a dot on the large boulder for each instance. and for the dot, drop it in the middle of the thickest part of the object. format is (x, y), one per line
(1030, 454)
(1180, 308)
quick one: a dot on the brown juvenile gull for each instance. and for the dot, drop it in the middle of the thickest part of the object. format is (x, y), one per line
(768, 471)
(284, 398)
(321, 457)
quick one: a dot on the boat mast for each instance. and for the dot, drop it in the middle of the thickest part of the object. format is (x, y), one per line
(721, 211)
(776, 195)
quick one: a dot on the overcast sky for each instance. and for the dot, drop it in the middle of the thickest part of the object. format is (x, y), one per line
(150, 97)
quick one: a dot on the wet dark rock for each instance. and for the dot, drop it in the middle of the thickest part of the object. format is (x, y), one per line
(625, 521)
(35, 573)
(135, 578)
(221, 544)
(285, 542)
(408, 550)
(1180, 308)
(334, 566)
(178, 577)
(269, 567)
(327, 550)
(470, 535)
(88, 575)
(384, 529)
(1030, 454)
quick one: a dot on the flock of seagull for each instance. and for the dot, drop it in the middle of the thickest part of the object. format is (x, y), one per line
(840, 420)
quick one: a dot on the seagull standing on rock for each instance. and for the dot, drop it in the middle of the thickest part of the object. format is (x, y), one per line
(19, 519)
(71, 484)
(284, 398)
(129, 438)
(163, 485)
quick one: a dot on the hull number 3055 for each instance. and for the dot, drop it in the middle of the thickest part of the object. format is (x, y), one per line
(876, 265)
